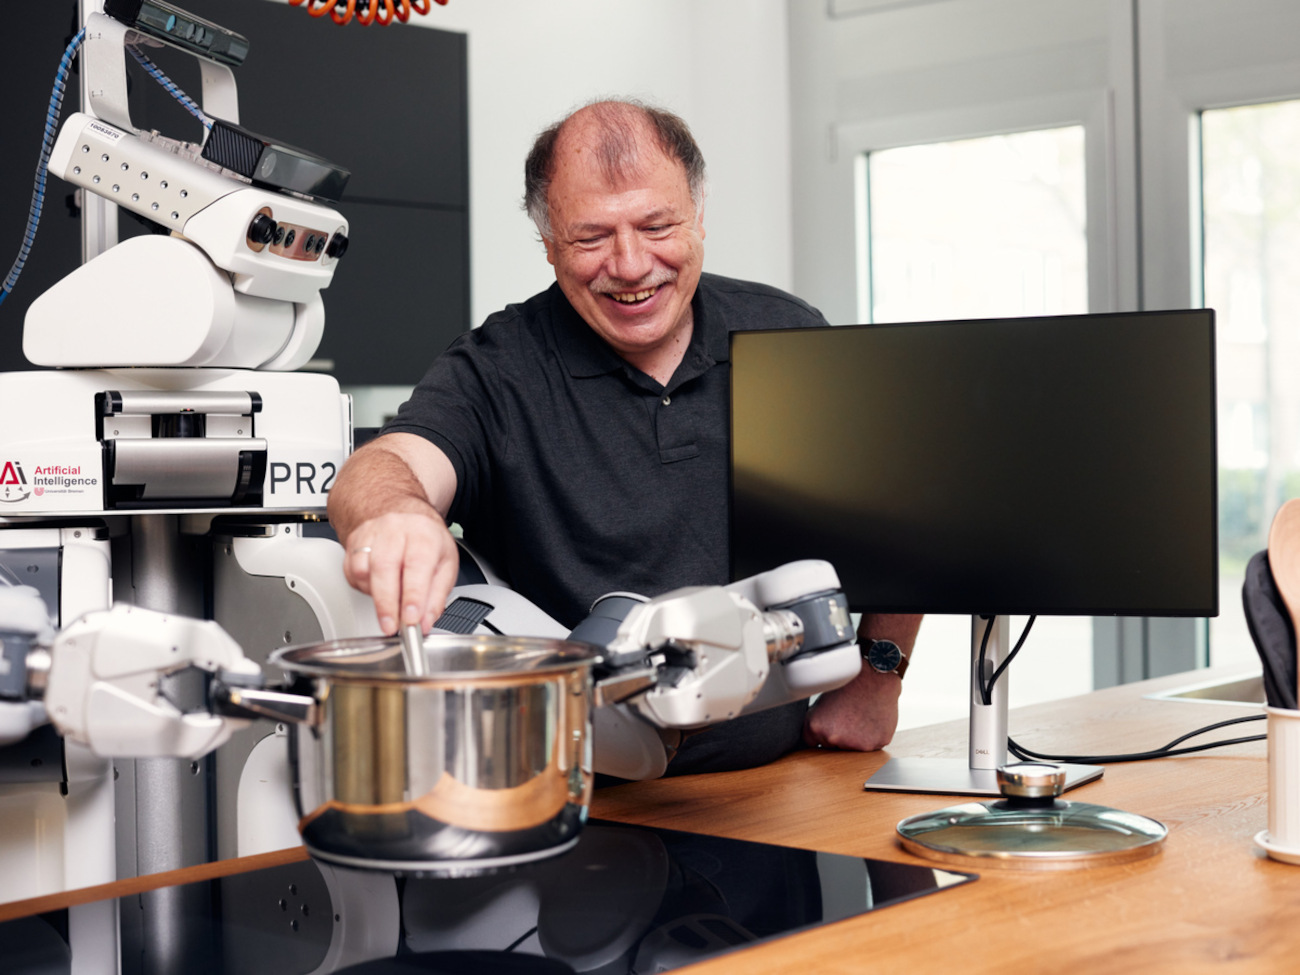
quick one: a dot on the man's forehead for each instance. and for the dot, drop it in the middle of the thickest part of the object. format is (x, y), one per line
(588, 181)
(591, 152)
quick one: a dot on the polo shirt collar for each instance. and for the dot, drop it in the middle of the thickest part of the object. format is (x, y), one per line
(586, 354)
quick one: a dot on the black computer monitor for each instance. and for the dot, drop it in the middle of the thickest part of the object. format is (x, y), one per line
(1059, 465)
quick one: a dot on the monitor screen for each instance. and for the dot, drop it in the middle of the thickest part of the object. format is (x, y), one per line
(1058, 465)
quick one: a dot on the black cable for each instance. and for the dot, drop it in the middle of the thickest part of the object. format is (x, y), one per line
(986, 687)
(1215, 727)
(1025, 754)
(521, 939)
(1166, 751)
(1024, 635)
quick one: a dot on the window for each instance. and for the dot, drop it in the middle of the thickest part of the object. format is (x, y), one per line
(1250, 196)
(1159, 95)
(979, 228)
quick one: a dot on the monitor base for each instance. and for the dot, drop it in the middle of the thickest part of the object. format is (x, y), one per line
(954, 776)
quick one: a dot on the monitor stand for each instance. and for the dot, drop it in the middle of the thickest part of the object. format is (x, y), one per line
(988, 736)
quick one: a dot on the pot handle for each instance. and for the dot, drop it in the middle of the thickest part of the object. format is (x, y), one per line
(236, 701)
(620, 685)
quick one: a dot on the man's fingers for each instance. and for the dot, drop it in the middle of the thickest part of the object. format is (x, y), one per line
(418, 569)
(356, 567)
(384, 574)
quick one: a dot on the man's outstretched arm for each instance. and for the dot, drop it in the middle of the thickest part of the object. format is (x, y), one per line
(389, 508)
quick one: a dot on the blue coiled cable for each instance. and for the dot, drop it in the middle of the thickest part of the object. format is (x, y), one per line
(47, 145)
(51, 129)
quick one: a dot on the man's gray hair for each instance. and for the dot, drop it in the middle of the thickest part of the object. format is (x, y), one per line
(620, 124)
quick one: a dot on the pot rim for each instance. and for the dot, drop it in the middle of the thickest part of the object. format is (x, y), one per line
(379, 658)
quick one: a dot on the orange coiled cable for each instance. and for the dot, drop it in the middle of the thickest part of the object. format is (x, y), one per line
(364, 17)
(317, 8)
(365, 12)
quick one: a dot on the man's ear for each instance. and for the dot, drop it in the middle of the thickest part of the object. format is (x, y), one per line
(549, 244)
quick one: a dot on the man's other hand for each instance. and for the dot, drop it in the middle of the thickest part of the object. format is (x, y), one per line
(860, 716)
(863, 714)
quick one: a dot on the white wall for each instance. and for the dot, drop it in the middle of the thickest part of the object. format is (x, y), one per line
(720, 64)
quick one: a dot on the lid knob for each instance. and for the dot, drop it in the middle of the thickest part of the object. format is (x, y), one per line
(1031, 780)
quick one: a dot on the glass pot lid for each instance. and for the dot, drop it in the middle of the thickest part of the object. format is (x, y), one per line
(1029, 827)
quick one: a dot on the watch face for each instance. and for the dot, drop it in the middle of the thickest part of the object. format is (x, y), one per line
(884, 656)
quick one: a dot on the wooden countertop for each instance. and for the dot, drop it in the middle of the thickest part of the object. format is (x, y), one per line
(1208, 901)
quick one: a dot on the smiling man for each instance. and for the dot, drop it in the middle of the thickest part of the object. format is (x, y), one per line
(624, 229)
(581, 438)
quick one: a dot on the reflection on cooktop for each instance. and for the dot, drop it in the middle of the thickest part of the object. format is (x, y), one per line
(625, 899)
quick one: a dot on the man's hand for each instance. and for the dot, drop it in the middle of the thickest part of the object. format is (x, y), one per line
(406, 563)
(863, 714)
(860, 716)
(389, 509)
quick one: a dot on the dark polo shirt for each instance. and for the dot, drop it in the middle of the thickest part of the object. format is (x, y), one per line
(579, 475)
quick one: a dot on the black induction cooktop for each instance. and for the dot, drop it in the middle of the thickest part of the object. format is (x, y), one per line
(626, 899)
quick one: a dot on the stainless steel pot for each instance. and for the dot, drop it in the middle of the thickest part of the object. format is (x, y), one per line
(483, 762)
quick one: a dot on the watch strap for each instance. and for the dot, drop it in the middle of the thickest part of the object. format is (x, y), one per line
(901, 669)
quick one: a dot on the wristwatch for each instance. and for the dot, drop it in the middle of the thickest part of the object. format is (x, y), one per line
(885, 657)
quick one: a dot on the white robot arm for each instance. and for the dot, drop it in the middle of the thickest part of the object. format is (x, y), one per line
(691, 657)
(24, 625)
(717, 654)
(117, 681)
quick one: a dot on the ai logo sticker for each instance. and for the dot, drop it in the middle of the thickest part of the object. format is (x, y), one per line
(13, 483)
